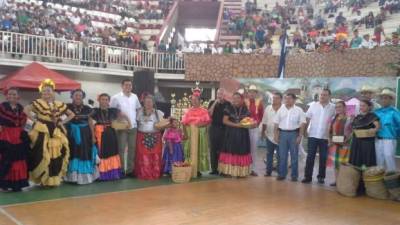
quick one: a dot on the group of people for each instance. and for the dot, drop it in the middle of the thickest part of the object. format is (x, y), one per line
(311, 32)
(79, 144)
(365, 139)
(128, 137)
(80, 24)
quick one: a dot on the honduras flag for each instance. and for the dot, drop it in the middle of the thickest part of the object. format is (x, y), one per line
(282, 58)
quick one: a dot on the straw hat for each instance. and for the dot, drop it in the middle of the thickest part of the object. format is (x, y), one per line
(388, 92)
(253, 87)
(366, 88)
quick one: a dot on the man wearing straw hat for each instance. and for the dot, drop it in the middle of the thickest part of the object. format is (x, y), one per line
(367, 92)
(256, 108)
(389, 118)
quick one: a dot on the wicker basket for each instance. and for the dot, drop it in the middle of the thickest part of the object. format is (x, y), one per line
(119, 124)
(162, 124)
(181, 174)
(367, 133)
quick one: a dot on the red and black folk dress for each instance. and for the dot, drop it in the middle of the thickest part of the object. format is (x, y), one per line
(14, 147)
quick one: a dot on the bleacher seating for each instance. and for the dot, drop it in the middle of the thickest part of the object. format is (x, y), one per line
(144, 18)
(305, 11)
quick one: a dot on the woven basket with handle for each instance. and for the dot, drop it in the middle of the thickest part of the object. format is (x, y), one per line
(181, 174)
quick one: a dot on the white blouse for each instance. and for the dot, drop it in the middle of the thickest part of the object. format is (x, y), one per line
(146, 123)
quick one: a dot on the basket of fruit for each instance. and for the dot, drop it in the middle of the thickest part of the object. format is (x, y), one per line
(247, 122)
(181, 172)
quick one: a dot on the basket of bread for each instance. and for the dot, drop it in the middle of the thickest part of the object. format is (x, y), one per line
(248, 122)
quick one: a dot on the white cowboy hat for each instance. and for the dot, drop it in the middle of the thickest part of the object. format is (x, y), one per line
(253, 88)
(366, 88)
(388, 92)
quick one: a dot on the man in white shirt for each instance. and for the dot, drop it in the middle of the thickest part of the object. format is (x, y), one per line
(236, 50)
(318, 117)
(187, 48)
(216, 49)
(268, 130)
(128, 103)
(247, 49)
(197, 49)
(367, 43)
(289, 123)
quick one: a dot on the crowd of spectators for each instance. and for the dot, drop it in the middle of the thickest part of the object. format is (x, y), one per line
(141, 10)
(227, 48)
(45, 20)
(308, 29)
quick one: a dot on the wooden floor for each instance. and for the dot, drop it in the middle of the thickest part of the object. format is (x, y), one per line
(252, 201)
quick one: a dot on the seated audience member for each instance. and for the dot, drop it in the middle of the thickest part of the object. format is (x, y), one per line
(320, 23)
(370, 20)
(247, 49)
(357, 19)
(367, 43)
(227, 48)
(356, 40)
(395, 38)
(267, 49)
(236, 50)
(310, 47)
(340, 19)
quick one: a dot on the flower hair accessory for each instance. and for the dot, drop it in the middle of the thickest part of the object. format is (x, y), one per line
(47, 83)
(78, 90)
(197, 90)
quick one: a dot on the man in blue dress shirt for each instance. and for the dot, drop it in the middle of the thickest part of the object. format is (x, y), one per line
(389, 118)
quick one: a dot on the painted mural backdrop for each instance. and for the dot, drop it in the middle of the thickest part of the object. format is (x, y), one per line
(307, 89)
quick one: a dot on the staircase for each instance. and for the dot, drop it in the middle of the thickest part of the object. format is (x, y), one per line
(234, 7)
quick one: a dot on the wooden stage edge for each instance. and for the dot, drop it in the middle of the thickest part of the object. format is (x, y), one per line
(251, 201)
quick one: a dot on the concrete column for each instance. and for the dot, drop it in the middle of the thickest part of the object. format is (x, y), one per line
(156, 86)
(213, 92)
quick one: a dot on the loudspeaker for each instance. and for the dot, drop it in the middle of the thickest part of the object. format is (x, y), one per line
(165, 107)
(143, 81)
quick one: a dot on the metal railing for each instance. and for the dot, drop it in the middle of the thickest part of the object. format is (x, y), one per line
(43, 48)
(169, 23)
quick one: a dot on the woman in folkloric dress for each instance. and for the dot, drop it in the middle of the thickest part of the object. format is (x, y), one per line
(148, 160)
(195, 123)
(106, 138)
(362, 150)
(339, 137)
(82, 168)
(235, 156)
(48, 158)
(14, 144)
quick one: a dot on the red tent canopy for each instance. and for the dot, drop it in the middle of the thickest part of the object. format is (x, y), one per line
(33, 74)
